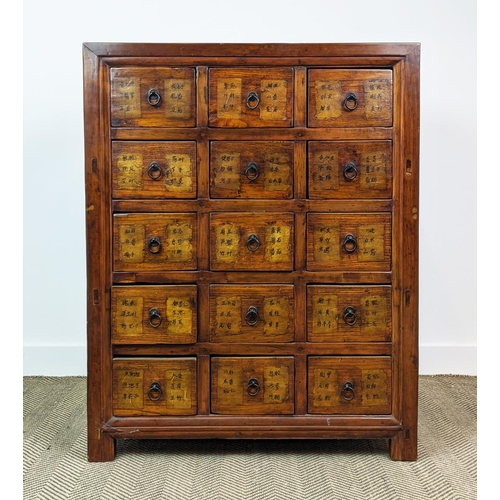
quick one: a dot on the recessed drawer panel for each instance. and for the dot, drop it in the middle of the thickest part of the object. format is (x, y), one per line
(353, 242)
(349, 313)
(253, 385)
(152, 169)
(154, 386)
(251, 170)
(349, 385)
(154, 314)
(251, 241)
(153, 97)
(350, 169)
(251, 313)
(251, 97)
(159, 242)
(350, 98)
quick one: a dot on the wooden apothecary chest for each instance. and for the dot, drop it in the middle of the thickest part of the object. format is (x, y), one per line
(252, 242)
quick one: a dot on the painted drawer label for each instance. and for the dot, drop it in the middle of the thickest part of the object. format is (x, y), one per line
(178, 173)
(228, 316)
(229, 98)
(273, 97)
(178, 388)
(373, 171)
(130, 171)
(328, 102)
(131, 237)
(227, 171)
(130, 390)
(178, 98)
(127, 98)
(371, 242)
(179, 238)
(227, 243)
(129, 315)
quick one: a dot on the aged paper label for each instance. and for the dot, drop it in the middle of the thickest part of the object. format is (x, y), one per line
(326, 246)
(178, 98)
(325, 170)
(227, 171)
(273, 97)
(275, 384)
(276, 315)
(324, 387)
(131, 238)
(324, 315)
(373, 310)
(227, 319)
(229, 98)
(328, 102)
(374, 171)
(277, 242)
(370, 243)
(129, 312)
(229, 386)
(179, 238)
(178, 173)
(126, 98)
(130, 394)
(227, 243)
(277, 171)
(179, 316)
(374, 387)
(378, 95)
(130, 171)
(178, 389)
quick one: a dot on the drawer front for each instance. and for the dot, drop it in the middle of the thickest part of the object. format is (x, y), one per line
(251, 170)
(248, 241)
(154, 386)
(159, 242)
(153, 97)
(149, 169)
(154, 314)
(353, 242)
(251, 313)
(350, 169)
(350, 98)
(251, 97)
(349, 385)
(253, 385)
(349, 313)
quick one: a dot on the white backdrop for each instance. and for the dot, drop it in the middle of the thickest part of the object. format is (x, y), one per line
(54, 308)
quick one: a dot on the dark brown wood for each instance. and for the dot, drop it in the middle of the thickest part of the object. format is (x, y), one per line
(223, 298)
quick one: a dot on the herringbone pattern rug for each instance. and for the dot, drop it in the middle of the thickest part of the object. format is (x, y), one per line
(55, 464)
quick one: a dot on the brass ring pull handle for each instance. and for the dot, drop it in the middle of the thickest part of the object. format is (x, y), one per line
(253, 387)
(154, 393)
(252, 100)
(349, 244)
(350, 171)
(252, 171)
(153, 97)
(154, 170)
(154, 244)
(253, 243)
(154, 318)
(252, 316)
(350, 317)
(348, 391)
(351, 101)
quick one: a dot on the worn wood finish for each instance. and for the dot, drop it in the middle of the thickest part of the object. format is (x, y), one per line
(224, 300)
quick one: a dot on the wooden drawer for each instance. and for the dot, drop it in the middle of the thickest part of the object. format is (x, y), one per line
(160, 242)
(352, 242)
(349, 385)
(152, 169)
(251, 241)
(251, 313)
(154, 314)
(251, 97)
(350, 169)
(350, 98)
(251, 170)
(349, 313)
(253, 385)
(152, 97)
(154, 386)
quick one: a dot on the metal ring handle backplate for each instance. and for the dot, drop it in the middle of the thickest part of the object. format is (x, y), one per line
(351, 101)
(252, 100)
(154, 317)
(253, 243)
(252, 316)
(153, 97)
(350, 171)
(155, 392)
(253, 387)
(154, 244)
(252, 171)
(347, 392)
(154, 170)
(350, 317)
(349, 244)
